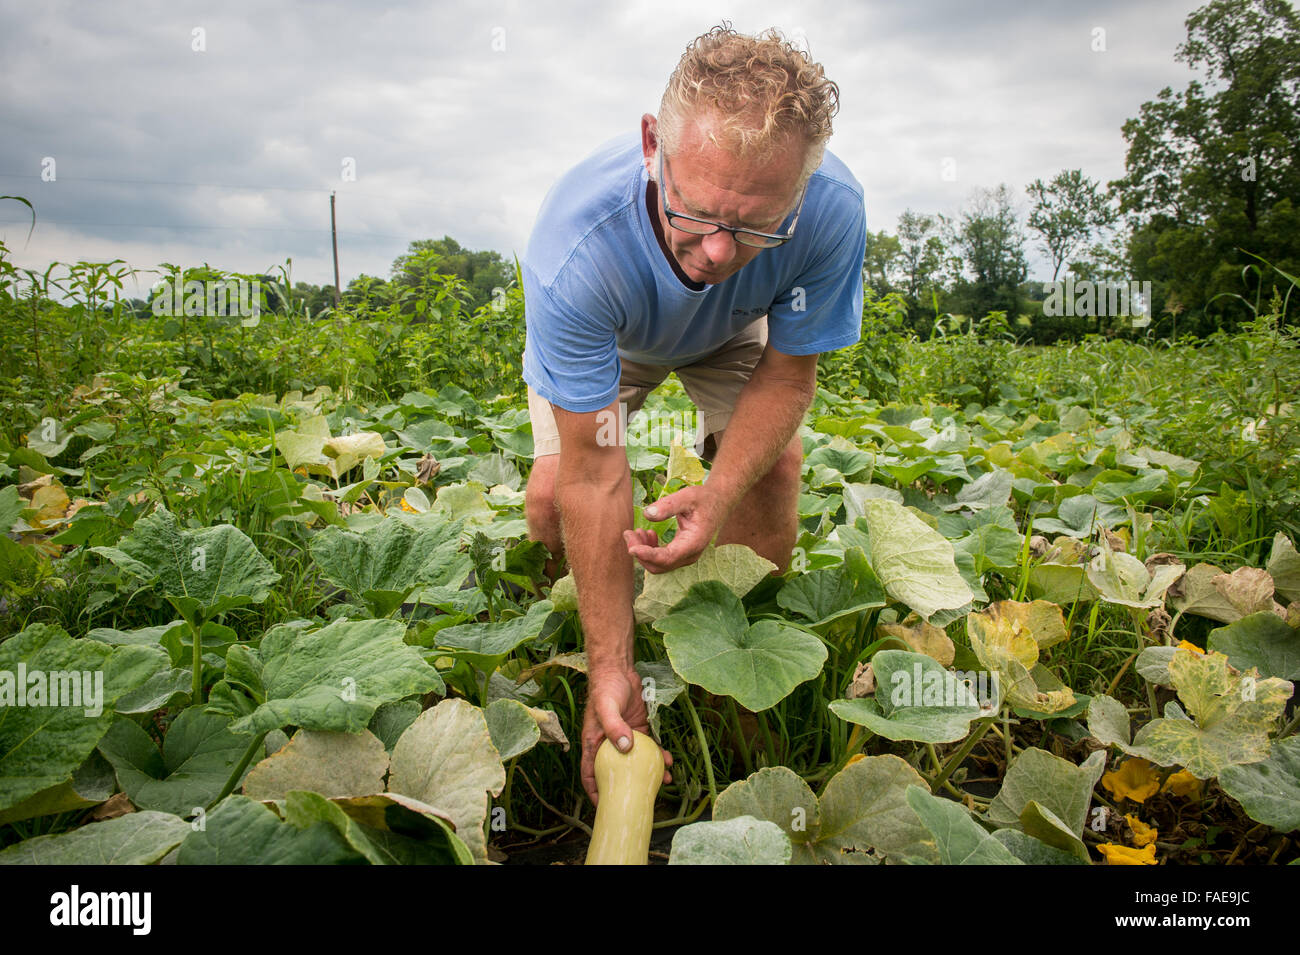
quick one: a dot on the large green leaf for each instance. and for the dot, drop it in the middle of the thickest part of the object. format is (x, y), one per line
(384, 563)
(1108, 721)
(1055, 784)
(917, 698)
(1269, 790)
(42, 745)
(447, 760)
(405, 830)
(513, 728)
(204, 571)
(1033, 851)
(833, 592)
(734, 565)
(712, 644)
(91, 783)
(331, 679)
(778, 795)
(1123, 579)
(332, 764)
(740, 841)
(138, 838)
(991, 489)
(1284, 566)
(1061, 583)
(198, 755)
(1261, 640)
(913, 561)
(1045, 826)
(431, 840)
(241, 831)
(861, 818)
(487, 644)
(1231, 716)
(1079, 515)
(865, 806)
(960, 840)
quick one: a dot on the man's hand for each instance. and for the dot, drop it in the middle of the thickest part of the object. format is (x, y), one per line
(700, 514)
(614, 709)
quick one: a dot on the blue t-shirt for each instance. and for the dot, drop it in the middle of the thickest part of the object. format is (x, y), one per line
(598, 286)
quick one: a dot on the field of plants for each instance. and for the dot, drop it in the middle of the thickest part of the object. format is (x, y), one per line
(268, 597)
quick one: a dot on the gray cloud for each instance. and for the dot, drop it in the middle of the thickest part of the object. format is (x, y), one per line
(459, 117)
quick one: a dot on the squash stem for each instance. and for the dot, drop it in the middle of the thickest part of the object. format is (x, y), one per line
(956, 758)
(233, 781)
(704, 748)
(767, 739)
(740, 736)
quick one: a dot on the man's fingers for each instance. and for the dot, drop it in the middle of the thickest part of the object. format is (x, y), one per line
(667, 506)
(612, 722)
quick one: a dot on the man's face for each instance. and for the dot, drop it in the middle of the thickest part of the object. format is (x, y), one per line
(707, 182)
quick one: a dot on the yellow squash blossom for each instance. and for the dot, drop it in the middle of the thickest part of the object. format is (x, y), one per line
(1143, 835)
(1123, 855)
(1135, 779)
(1188, 645)
(1182, 783)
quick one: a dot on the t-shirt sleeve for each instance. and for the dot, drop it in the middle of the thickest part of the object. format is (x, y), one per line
(570, 354)
(822, 311)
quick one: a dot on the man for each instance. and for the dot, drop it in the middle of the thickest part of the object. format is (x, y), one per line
(726, 245)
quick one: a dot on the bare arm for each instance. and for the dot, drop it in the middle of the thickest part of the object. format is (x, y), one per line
(767, 415)
(593, 488)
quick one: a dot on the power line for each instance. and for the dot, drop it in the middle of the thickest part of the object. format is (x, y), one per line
(324, 233)
(218, 185)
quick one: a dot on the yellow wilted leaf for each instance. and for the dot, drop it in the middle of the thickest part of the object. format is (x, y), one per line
(1123, 855)
(1135, 779)
(51, 502)
(1143, 835)
(855, 757)
(922, 637)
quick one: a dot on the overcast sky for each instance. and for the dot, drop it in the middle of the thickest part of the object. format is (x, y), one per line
(458, 117)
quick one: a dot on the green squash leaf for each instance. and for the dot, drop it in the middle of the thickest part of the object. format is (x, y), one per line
(138, 838)
(743, 840)
(712, 644)
(913, 561)
(1269, 790)
(447, 760)
(204, 572)
(333, 678)
(734, 565)
(198, 755)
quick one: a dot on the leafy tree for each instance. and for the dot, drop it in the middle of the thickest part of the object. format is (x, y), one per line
(482, 272)
(1211, 174)
(1067, 212)
(991, 244)
(921, 252)
(879, 263)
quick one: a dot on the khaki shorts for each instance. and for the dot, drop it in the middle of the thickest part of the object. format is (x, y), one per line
(713, 383)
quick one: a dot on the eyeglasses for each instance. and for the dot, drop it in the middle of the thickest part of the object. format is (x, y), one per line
(696, 226)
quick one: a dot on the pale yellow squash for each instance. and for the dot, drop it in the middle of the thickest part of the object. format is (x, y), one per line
(627, 784)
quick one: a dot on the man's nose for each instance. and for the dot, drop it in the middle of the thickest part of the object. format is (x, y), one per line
(720, 247)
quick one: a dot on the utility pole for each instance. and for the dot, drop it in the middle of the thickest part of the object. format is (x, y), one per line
(334, 235)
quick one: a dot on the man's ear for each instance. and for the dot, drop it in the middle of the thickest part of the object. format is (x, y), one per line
(649, 143)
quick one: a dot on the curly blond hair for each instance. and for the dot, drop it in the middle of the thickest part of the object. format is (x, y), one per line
(759, 90)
